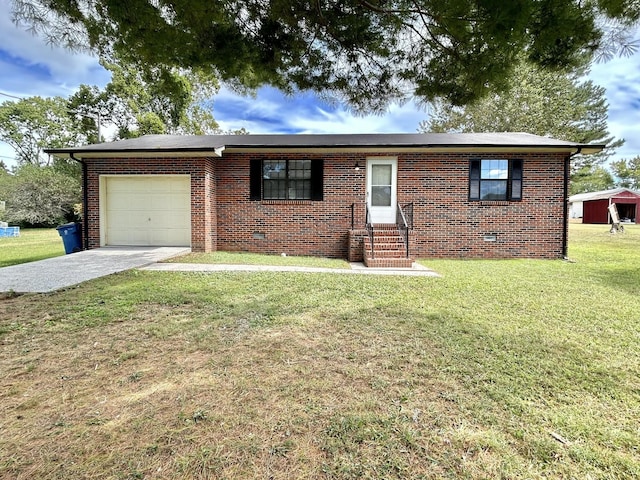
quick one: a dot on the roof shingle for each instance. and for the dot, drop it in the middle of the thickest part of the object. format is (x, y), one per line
(204, 143)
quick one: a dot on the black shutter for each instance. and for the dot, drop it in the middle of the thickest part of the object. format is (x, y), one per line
(255, 180)
(317, 179)
(516, 180)
(474, 180)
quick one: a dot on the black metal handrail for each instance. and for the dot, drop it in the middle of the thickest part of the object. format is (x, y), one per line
(405, 223)
(369, 227)
(408, 212)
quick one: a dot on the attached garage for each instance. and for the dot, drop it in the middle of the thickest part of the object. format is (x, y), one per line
(145, 210)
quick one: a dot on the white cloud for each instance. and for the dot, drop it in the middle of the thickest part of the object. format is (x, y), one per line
(398, 119)
(31, 67)
(270, 111)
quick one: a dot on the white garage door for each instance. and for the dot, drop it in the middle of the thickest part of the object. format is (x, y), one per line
(147, 210)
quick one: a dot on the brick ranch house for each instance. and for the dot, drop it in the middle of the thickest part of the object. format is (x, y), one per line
(498, 195)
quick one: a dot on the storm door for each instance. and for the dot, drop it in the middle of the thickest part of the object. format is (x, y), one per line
(382, 174)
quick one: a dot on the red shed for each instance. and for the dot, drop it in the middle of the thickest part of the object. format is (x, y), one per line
(595, 206)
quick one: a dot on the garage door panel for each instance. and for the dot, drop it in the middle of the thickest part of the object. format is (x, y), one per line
(119, 224)
(171, 202)
(136, 220)
(126, 185)
(164, 236)
(182, 204)
(164, 186)
(148, 210)
(129, 237)
(177, 221)
(119, 201)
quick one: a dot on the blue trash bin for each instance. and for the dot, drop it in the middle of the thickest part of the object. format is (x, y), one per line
(71, 237)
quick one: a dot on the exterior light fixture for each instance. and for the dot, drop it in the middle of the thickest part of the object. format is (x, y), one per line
(357, 167)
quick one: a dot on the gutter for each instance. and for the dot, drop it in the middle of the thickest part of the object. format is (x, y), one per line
(218, 150)
(85, 202)
(565, 203)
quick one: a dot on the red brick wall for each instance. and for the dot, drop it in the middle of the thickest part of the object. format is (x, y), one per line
(446, 223)
(317, 228)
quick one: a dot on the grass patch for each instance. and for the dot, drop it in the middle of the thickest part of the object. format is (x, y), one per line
(241, 258)
(519, 369)
(32, 244)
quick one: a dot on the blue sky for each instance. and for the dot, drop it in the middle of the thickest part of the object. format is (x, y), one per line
(29, 67)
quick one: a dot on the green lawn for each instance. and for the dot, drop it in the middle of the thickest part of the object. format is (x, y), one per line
(32, 244)
(236, 258)
(518, 369)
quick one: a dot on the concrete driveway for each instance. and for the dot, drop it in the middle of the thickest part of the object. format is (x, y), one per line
(60, 272)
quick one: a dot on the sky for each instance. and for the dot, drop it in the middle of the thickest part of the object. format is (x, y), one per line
(30, 67)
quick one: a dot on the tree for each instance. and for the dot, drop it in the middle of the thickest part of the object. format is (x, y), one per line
(628, 171)
(89, 108)
(559, 104)
(32, 124)
(42, 190)
(590, 179)
(152, 101)
(40, 196)
(369, 52)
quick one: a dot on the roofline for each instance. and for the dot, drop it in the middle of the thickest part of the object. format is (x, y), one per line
(218, 151)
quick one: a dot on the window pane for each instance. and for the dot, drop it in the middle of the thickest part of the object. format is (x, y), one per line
(494, 169)
(305, 189)
(493, 190)
(300, 169)
(380, 196)
(299, 190)
(274, 189)
(272, 169)
(381, 175)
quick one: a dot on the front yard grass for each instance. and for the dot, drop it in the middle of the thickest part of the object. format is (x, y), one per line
(242, 258)
(32, 244)
(517, 369)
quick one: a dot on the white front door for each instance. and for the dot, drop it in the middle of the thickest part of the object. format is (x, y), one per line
(382, 174)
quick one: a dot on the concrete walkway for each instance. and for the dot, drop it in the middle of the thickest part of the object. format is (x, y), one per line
(60, 272)
(356, 268)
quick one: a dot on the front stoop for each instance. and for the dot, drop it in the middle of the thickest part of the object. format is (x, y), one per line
(389, 249)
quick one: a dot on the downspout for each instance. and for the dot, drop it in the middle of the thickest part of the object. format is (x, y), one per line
(85, 202)
(565, 211)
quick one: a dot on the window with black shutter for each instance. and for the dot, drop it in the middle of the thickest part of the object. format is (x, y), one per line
(286, 179)
(495, 180)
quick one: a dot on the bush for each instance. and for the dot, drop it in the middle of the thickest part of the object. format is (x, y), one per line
(40, 196)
